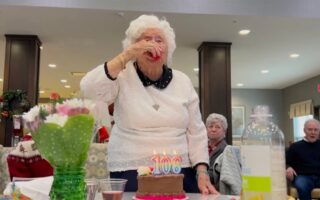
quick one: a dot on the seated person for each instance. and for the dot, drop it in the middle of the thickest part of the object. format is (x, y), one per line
(216, 130)
(303, 161)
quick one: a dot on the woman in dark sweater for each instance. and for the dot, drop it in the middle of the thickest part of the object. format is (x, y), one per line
(216, 129)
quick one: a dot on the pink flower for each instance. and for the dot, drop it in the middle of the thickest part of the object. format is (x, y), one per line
(63, 109)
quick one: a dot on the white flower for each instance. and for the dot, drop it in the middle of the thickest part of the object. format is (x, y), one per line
(56, 119)
(32, 114)
(144, 171)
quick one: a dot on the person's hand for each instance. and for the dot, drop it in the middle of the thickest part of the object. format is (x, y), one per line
(150, 48)
(205, 185)
(290, 173)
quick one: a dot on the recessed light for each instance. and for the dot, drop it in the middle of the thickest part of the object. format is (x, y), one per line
(240, 84)
(78, 74)
(1, 80)
(294, 55)
(52, 65)
(67, 86)
(120, 14)
(41, 91)
(196, 69)
(244, 32)
(63, 81)
(264, 71)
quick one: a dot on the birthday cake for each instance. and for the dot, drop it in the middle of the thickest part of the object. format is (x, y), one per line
(159, 187)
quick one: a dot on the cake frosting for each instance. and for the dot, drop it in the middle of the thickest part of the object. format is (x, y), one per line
(159, 187)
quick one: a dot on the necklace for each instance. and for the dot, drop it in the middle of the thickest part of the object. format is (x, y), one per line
(155, 105)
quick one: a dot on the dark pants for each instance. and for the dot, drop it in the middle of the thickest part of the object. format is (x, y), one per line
(190, 184)
(305, 184)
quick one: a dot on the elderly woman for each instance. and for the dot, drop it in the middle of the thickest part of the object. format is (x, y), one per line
(216, 129)
(155, 107)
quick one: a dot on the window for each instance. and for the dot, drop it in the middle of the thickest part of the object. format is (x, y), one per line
(298, 124)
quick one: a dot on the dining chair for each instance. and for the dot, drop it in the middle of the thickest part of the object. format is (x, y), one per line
(294, 193)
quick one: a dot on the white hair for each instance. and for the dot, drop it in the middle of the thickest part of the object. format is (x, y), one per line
(214, 117)
(139, 25)
(311, 120)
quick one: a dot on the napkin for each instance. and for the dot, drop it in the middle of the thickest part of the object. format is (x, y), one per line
(36, 189)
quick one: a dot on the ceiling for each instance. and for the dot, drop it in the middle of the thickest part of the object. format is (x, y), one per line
(77, 37)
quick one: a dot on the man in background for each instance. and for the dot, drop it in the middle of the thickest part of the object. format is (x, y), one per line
(303, 161)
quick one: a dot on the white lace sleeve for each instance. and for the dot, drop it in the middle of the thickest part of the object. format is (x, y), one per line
(97, 86)
(196, 131)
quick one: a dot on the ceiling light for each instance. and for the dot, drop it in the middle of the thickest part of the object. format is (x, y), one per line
(52, 65)
(120, 14)
(240, 84)
(63, 81)
(67, 86)
(1, 80)
(265, 71)
(41, 91)
(244, 32)
(78, 74)
(294, 55)
(196, 69)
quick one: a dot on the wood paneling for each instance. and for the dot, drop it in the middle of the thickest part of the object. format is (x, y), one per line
(21, 71)
(215, 81)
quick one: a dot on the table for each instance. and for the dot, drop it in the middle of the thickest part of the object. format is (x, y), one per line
(191, 196)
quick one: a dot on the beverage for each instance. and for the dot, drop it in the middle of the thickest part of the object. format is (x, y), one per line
(112, 195)
(263, 160)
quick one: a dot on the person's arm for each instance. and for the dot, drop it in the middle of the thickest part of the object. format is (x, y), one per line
(118, 63)
(290, 172)
(198, 144)
(203, 179)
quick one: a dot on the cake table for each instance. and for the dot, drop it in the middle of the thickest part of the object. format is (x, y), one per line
(191, 196)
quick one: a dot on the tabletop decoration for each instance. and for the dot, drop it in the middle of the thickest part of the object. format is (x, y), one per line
(62, 133)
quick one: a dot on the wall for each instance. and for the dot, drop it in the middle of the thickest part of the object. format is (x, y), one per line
(299, 92)
(252, 97)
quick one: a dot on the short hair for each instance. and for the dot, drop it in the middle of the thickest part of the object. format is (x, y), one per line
(311, 120)
(214, 117)
(139, 25)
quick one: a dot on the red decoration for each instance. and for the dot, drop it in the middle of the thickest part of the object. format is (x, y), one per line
(28, 167)
(54, 96)
(103, 134)
(318, 87)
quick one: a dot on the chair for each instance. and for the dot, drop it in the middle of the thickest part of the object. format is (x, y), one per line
(96, 165)
(294, 193)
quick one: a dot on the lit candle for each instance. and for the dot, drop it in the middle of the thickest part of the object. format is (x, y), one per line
(165, 163)
(176, 163)
(156, 163)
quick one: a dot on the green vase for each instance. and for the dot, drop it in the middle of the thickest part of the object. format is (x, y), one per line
(68, 184)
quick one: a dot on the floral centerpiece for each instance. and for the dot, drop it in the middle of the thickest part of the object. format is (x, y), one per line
(62, 133)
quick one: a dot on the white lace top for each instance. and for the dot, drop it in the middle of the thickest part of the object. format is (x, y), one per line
(139, 128)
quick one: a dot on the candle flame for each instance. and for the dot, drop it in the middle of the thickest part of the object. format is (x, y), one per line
(174, 152)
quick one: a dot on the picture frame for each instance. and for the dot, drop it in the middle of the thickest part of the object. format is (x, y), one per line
(238, 121)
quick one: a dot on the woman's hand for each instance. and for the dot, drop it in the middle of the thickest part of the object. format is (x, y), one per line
(141, 47)
(204, 183)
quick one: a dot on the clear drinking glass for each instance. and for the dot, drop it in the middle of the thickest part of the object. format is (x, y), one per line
(112, 189)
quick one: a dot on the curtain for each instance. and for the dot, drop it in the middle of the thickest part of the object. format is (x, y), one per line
(301, 109)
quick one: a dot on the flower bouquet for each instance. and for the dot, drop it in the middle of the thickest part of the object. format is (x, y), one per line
(62, 133)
